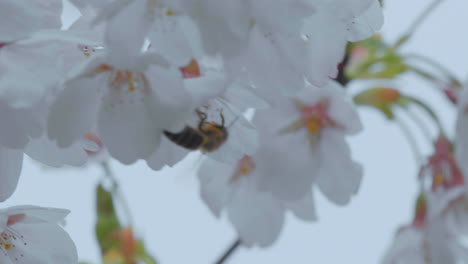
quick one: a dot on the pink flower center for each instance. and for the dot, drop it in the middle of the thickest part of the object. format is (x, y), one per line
(95, 139)
(442, 167)
(243, 168)
(315, 117)
(9, 238)
(132, 81)
(192, 70)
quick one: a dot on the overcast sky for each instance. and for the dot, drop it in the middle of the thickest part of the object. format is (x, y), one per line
(178, 228)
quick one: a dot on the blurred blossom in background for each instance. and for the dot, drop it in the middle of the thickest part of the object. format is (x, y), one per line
(176, 225)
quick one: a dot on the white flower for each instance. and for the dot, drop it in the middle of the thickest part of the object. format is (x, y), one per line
(30, 234)
(225, 25)
(129, 96)
(435, 240)
(307, 136)
(257, 216)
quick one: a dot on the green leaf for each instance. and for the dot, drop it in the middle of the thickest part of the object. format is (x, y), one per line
(107, 222)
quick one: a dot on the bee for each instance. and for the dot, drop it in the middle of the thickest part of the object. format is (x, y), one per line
(207, 137)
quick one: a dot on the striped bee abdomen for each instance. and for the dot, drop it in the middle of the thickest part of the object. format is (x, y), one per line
(188, 138)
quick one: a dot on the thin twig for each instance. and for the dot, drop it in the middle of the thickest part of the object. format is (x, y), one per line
(229, 252)
(420, 19)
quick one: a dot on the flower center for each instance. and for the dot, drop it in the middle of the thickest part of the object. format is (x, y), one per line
(244, 167)
(9, 237)
(192, 70)
(315, 117)
(124, 80)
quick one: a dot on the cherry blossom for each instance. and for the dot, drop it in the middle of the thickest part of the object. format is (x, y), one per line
(31, 234)
(312, 129)
(258, 217)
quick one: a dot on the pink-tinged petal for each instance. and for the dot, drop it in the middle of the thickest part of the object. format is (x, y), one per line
(11, 162)
(74, 111)
(257, 217)
(21, 18)
(215, 188)
(37, 214)
(47, 152)
(127, 128)
(168, 154)
(366, 24)
(406, 247)
(126, 31)
(337, 183)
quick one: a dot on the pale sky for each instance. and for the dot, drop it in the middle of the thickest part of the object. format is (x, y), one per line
(178, 228)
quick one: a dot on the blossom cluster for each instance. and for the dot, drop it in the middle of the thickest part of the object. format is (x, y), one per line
(439, 227)
(155, 80)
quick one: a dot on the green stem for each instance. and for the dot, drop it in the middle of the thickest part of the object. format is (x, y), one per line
(422, 126)
(411, 140)
(428, 110)
(422, 73)
(417, 22)
(434, 64)
(117, 192)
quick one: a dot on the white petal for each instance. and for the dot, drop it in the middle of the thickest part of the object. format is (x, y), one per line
(303, 208)
(366, 24)
(169, 39)
(18, 126)
(168, 154)
(257, 217)
(47, 152)
(126, 31)
(244, 97)
(289, 167)
(59, 249)
(74, 112)
(11, 162)
(127, 129)
(342, 110)
(223, 25)
(172, 101)
(326, 47)
(23, 17)
(337, 183)
(215, 188)
(205, 88)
